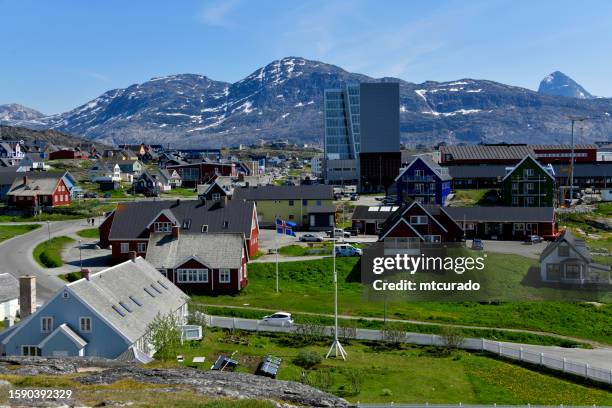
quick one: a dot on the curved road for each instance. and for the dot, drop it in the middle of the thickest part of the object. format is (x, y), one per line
(16, 255)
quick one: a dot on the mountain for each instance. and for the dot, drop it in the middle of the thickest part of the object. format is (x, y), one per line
(560, 84)
(284, 100)
(29, 136)
(16, 114)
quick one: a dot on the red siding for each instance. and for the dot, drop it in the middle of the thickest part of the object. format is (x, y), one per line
(118, 256)
(105, 229)
(213, 286)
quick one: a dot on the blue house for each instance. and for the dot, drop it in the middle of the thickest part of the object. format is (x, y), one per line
(105, 314)
(423, 181)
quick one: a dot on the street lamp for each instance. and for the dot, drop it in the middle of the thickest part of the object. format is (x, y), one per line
(80, 256)
(336, 347)
(49, 229)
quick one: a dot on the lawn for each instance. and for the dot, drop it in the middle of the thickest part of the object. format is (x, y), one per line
(76, 210)
(307, 287)
(303, 250)
(10, 231)
(471, 198)
(181, 191)
(48, 254)
(377, 373)
(92, 233)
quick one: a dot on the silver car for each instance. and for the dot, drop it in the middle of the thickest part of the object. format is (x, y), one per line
(282, 319)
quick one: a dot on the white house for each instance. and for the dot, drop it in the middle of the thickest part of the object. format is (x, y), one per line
(568, 260)
(103, 173)
(9, 296)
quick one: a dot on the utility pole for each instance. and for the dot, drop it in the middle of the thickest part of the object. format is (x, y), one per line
(336, 347)
(573, 119)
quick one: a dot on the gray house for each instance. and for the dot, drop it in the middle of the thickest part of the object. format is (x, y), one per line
(105, 314)
(568, 260)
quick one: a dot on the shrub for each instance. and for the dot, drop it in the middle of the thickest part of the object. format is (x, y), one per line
(451, 337)
(393, 334)
(307, 359)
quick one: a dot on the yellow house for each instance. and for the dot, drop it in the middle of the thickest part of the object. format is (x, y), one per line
(309, 206)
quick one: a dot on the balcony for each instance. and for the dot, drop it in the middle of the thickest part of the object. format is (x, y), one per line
(418, 178)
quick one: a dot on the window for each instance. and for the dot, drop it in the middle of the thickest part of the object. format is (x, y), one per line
(46, 324)
(192, 275)
(291, 203)
(304, 202)
(291, 217)
(85, 324)
(572, 272)
(514, 186)
(528, 172)
(216, 196)
(155, 288)
(529, 200)
(142, 247)
(125, 247)
(519, 226)
(319, 203)
(204, 228)
(162, 227)
(119, 311)
(135, 300)
(433, 238)
(30, 351)
(419, 173)
(418, 219)
(126, 307)
(224, 276)
(552, 272)
(528, 188)
(65, 295)
(225, 224)
(149, 292)
(418, 187)
(469, 226)
(564, 250)
(514, 200)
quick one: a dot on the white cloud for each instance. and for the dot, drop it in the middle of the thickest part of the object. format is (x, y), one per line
(216, 13)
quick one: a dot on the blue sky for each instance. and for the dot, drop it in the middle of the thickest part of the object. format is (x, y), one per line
(58, 54)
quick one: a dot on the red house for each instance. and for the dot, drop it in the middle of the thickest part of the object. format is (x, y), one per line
(67, 154)
(212, 263)
(414, 222)
(193, 174)
(130, 226)
(37, 190)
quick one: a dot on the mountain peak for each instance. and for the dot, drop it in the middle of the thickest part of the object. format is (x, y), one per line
(559, 84)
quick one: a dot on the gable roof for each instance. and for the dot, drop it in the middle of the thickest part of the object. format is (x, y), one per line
(434, 167)
(131, 219)
(67, 332)
(38, 182)
(397, 216)
(374, 212)
(501, 214)
(301, 192)
(108, 290)
(533, 160)
(9, 287)
(578, 245)
(215, 250)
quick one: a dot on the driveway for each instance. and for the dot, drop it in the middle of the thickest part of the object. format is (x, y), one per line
(513, 247)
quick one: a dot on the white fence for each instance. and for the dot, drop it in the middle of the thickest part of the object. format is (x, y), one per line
(506, 350)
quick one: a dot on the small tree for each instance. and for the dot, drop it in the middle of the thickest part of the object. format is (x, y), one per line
(451, 337)
(165, 335)
(393, 334)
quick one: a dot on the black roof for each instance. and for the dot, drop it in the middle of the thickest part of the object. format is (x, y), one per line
(131, 219)
(301, 192)
(8, 175)
(501, 214)
(477, 171)
(600, 169)
(373, 212)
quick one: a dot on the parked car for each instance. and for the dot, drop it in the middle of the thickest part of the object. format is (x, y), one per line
(477, 244)
(107, 195)
(354, 197)
(282, 319)
(534, 239)
(91, 195)
(339, 233)
(310, 238)
(348, 250)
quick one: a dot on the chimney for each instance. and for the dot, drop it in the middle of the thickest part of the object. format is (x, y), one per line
(27, 295)
(178, 201)
(25, 180)
(133, 256)
(85, 273)
(175, 231)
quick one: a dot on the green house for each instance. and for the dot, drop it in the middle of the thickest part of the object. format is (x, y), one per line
(529, 184)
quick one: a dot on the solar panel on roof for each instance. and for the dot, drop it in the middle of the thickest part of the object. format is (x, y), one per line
(373, 209)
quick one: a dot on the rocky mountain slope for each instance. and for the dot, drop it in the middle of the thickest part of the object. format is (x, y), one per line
(559, 84)
(284, 99)
(31, 135)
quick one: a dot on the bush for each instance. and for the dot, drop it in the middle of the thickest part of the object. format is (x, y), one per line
(307, 359)
(451, 337)
(393, 334)
(50, 259)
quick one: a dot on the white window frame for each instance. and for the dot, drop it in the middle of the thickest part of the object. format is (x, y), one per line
(83, 319)
(433, 238)
(141, 247)
(417, 220)
(44, 319)
(162, 227)
(30, 348)
(225, 275)
(125, 247)
(470, 226)
(216, 196)
(192, 275)
(518, 226)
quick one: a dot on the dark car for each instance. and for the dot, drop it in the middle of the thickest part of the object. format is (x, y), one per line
(534, 239)
(107, 195)
(310, 238)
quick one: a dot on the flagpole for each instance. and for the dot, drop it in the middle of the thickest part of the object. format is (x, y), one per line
(336, 346)
(276, 258)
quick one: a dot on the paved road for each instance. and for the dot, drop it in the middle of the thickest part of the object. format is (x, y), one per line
(16, 255)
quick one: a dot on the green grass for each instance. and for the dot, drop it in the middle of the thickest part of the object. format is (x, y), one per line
(76, 210)
(92, 233)
(306, 286)
(471, 198)
(302, 250)
(48, 254)
(70, 277)
(10, 231)
(411, 374)
(182, 191)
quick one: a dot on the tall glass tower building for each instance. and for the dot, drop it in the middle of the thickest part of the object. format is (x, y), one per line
(342, 133)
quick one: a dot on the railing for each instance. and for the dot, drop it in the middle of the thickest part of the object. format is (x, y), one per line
(418, 178)
(510, 351)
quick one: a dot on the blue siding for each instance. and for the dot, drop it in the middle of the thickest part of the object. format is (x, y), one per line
(430, 195)
(103, 341)
(60, 342)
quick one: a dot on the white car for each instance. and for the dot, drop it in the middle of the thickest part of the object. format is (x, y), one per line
(348, 250)
(282, 319)
(311, 238)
